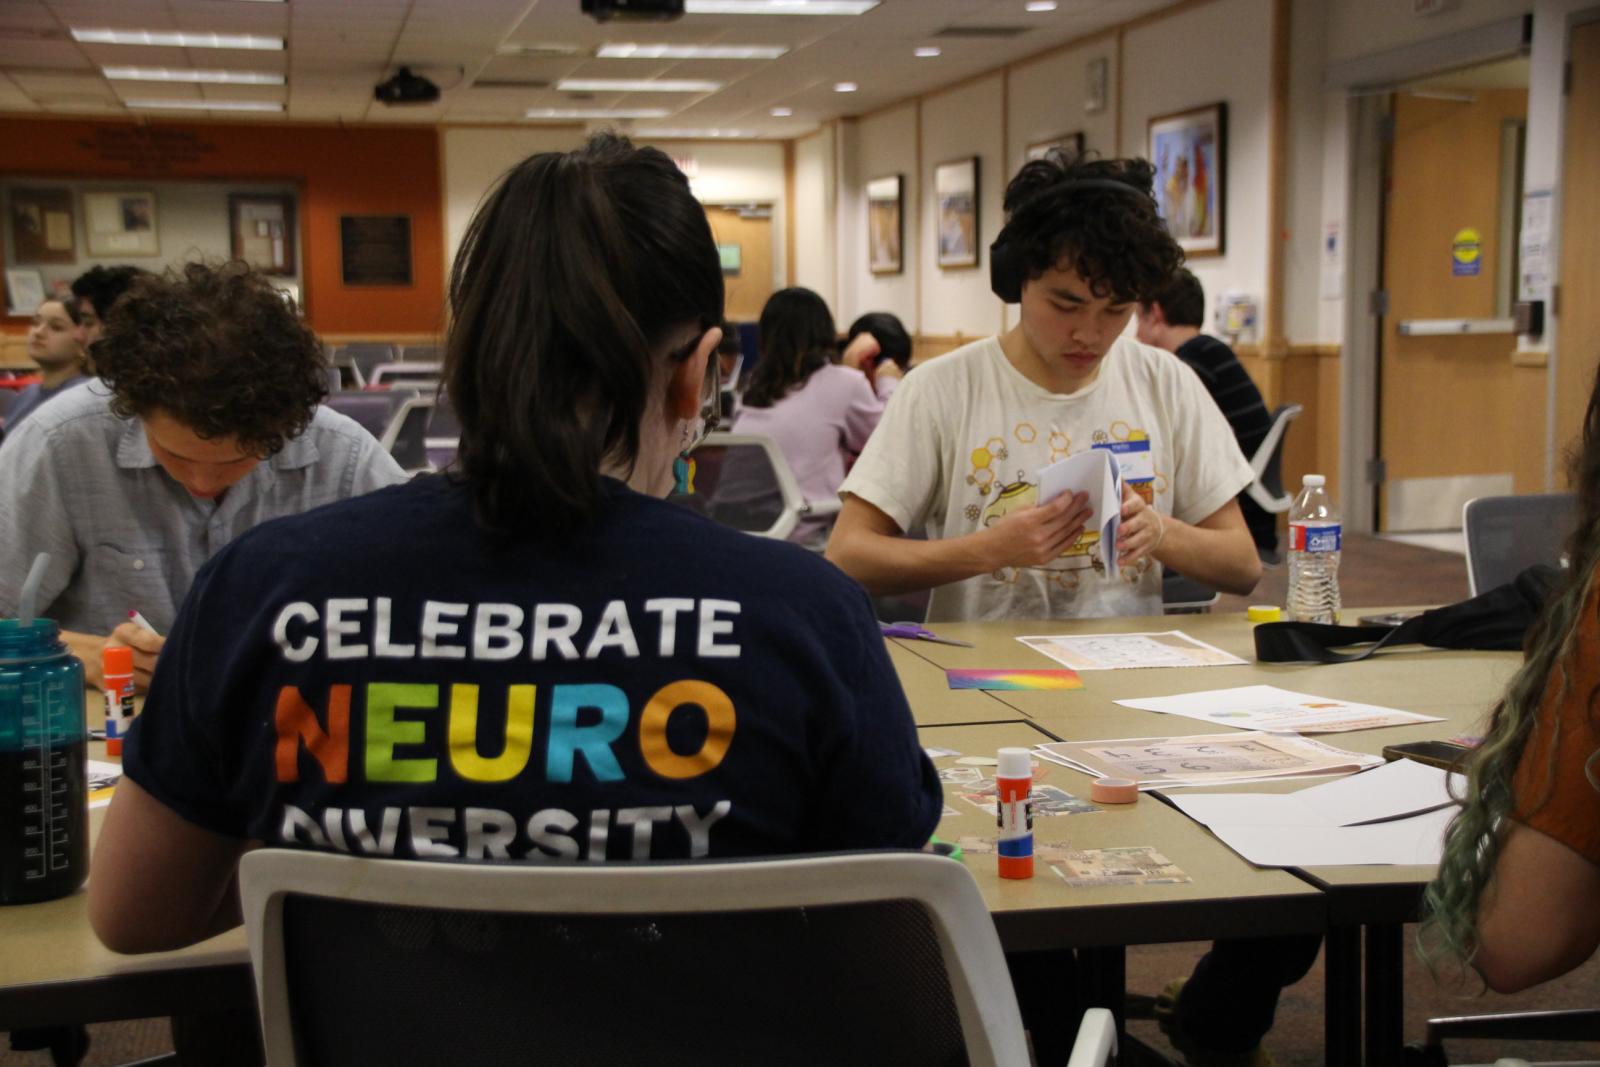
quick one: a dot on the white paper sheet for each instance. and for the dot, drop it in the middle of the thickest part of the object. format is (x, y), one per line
(1266, 707)
(1106, 652)
(1402, 788)
(1205, 759)
(1096, 473)
(1419, 840)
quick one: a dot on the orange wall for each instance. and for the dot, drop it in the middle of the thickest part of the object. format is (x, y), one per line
(341, 171)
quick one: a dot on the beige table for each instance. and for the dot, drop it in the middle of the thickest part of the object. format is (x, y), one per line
(1370, 903)
(934, 703)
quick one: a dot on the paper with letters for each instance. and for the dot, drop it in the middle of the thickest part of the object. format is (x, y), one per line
(1266, 707)
(1205, 759)
(1097, 473)
(1107, 652)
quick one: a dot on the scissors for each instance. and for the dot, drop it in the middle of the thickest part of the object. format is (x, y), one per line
(919, 633)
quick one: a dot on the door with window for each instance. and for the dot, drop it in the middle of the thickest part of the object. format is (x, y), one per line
(744, 239)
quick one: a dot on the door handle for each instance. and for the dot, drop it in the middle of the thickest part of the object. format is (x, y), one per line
(1445, 327)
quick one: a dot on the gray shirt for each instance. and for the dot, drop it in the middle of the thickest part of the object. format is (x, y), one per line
(80, 483)
(29, 399)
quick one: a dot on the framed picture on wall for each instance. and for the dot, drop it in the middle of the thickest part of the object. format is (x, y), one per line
(886, 224)
(955, 190)
(1071, 145)
(24, 291)
(121, 223)
(375, 249)
(42, 226)
(262, 226)
(1190, 153)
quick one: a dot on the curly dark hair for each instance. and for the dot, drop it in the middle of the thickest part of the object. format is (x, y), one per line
(1114, 241)
(101, 286)
(219, 350)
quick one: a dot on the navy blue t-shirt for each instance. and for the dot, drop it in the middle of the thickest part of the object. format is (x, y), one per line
(381, 677)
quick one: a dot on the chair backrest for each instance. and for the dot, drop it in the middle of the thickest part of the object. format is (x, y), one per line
(419, 353)
(406, 436)
(862, 958)
(1507, 534)
(1185, 596)
(416, 375)
(743, 480)
(361, 357)
(1267, 489)
(374, 411)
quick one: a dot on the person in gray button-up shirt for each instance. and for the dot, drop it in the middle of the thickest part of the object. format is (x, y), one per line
(207, 423)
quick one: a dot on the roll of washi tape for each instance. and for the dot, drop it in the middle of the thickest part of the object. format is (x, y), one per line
(1263, 613)
(1114, 791)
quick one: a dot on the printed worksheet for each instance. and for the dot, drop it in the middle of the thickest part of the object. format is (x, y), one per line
(1205, 759)
(1266, 707)
(1108, 652)
(1118, 866)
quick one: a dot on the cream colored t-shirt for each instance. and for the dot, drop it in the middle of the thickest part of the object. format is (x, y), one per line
(964, 437)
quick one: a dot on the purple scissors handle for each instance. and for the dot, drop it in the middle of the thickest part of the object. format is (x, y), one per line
(916, 632)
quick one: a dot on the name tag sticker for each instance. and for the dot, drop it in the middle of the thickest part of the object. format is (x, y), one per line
(1134, 458)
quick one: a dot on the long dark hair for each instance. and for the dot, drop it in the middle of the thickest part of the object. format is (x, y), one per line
(568, 282)
(797, 338)
(1472, 845)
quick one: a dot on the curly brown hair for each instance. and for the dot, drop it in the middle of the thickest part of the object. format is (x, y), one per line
(219, 350)
(1114, 241)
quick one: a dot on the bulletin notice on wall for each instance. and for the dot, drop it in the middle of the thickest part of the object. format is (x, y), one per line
(375, 249)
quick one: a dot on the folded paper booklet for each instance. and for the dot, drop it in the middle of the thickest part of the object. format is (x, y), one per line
(1205, 759)
(1097, 473)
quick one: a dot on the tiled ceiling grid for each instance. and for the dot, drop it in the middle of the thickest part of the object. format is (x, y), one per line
(497, 59)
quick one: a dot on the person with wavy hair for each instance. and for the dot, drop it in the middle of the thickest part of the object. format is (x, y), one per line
(819, 411)
(1515, 893)
(55, 344)
(960, 446)
(205, 423)
(534, 657)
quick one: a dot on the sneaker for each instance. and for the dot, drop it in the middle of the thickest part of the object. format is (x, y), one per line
(1165, 1010)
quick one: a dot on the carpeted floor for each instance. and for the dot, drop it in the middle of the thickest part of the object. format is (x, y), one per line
(1372, 572)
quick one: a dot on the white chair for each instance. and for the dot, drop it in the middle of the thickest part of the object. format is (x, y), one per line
(406, 436)
(1507, 534)
(1096, 1045)
(859, 958)
(361, 357)
(1267, 463)
(743, 480)
(424, 376)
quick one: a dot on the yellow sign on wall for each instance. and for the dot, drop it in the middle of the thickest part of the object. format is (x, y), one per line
(1466, 253)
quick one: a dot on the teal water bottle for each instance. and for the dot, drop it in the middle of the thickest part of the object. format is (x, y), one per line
(44, 740)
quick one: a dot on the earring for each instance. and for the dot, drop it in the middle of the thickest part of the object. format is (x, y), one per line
(683, 475)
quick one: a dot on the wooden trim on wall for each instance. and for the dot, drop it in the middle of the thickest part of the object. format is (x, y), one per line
(1530, 357)
(1277, 179)
(1288, 351)
(1005, 161)
(905, 246)
(1116, 132)
(788, 216)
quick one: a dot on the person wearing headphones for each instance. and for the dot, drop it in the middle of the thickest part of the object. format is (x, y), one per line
(959, 449)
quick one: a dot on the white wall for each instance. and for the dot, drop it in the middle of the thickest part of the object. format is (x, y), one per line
(886, 143)
(1368, 27)
(814, 200)
(955, 125)
(1046, 99)
(1236, 35)
(728, 172)
(191, 224)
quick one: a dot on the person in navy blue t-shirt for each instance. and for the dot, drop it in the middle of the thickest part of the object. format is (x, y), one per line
(533, 657)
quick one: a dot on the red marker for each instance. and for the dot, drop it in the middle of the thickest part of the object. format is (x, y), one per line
(1014, 813)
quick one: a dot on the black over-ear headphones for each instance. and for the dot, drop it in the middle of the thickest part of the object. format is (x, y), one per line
(1007, 271)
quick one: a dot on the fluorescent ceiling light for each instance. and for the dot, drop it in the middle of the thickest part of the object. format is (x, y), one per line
(1040, 5)
(928, 52)
(203, 105)
(844, 87)
(624, 50)
(782, 112)
(206, 77)
(173, 39)
(778, 7)
(662, 131)
(596, 113)
(636, 85)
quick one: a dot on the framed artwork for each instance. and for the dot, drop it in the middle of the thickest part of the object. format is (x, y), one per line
(43, 229)
(1071, 145)
(375, 249)
(886, 224)
(262, 225)
(24, 291)
(121, 223)
(732, 257)
(955, 190)
(1190, 153)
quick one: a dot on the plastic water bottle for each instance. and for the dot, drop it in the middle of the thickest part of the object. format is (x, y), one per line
(1314, 542)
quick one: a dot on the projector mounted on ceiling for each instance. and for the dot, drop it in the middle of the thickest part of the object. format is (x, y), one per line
(652, 10)
(405, 88)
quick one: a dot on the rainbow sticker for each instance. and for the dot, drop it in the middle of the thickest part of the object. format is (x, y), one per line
(1031, 680)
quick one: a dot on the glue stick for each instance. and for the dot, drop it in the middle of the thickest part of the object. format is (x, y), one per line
(1013, 781)
(116, 665)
